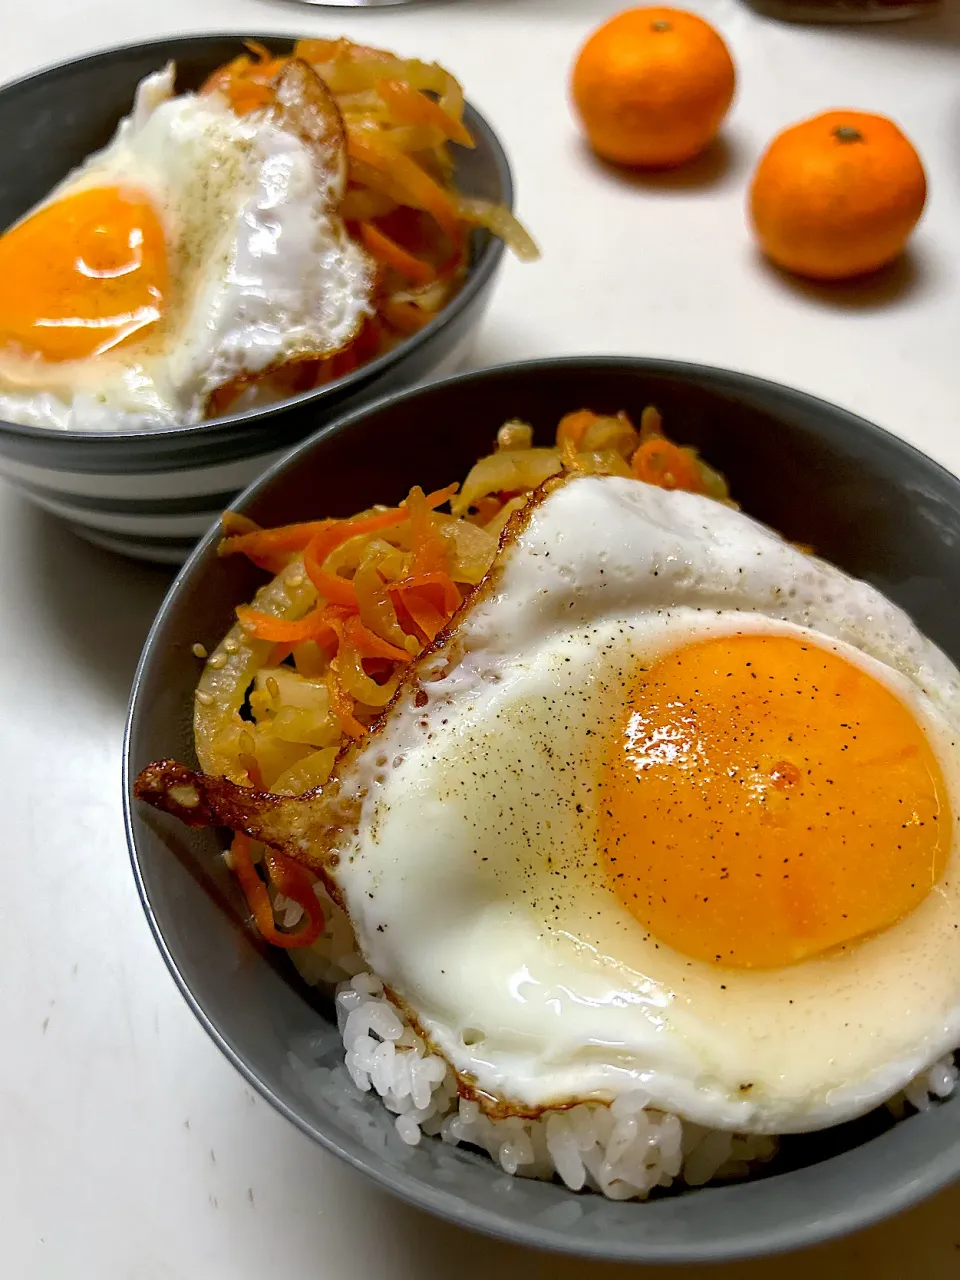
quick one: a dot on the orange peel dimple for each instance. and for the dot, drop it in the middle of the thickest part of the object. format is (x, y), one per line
(767, 800)
(83, 274)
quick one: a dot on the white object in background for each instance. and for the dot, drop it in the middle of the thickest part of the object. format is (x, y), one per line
(355, 4)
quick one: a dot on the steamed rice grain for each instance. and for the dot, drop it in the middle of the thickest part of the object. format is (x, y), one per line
(624, 1150)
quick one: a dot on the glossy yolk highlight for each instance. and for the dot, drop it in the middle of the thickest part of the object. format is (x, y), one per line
(765, 800)
(83, 274)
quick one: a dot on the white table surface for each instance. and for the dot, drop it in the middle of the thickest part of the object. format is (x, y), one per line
(129, 1149)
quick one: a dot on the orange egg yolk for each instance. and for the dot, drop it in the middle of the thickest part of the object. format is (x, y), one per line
(82, 274)
(765, 800)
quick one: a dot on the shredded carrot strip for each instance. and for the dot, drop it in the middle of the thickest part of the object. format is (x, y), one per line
(425, 616)
(315, 625)
(660, 462)
(391, 254)
(573, 425)
(246, 83)
(439, 496)
(415, 595)
(570, 434)
(254, 776)
(449, 592)
(410, 106)
(429, 551)
(336, 589)
(270, 542)
(404, 619)
(418, 187)
(369, 645)
(486, 508)
(356, 642)
(258, 899)
(267, 547)
(260, 51)
(342, 704)
(377, 611)
(292, 880)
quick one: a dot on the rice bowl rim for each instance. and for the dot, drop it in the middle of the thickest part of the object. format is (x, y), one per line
(865, 1206)
(478, 277)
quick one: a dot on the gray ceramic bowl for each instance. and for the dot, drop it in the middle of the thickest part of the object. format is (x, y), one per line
(868, 502)
(151, 494)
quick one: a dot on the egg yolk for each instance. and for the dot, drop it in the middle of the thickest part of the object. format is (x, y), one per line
(82, 274)
(765, 800)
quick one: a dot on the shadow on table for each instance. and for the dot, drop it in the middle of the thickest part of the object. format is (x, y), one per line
(898, 282)
(100, 605)
(723, 159)
(324, 1206)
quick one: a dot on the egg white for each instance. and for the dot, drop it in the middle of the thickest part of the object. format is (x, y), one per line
(261, 267)
(475, 883)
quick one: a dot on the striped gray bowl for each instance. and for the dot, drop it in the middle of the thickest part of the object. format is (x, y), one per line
(151, 494)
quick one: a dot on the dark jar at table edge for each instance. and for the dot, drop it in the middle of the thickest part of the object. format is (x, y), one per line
(844, 10)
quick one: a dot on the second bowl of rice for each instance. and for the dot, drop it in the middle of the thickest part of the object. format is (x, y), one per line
(320, 1038)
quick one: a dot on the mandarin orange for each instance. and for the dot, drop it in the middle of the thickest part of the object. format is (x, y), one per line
(652, 87)
(837, 196)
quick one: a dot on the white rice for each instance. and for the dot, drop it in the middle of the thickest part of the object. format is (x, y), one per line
(623, 1150)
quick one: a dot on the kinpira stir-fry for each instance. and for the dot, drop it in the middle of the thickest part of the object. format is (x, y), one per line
(394, 120)
(660, 770)
(297, 217)
(320, 651)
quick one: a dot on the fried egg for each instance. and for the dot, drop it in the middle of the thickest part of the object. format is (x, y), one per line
(196, 248)
(671, 811)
